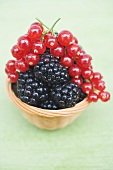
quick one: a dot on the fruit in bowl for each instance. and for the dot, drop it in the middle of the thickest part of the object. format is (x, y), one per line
(51, 77)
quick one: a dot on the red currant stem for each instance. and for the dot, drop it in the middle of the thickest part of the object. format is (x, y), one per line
(45, 32)
(18, 71)
(95, 90)
(75, 59)
(42, 23)
(65, 49)
(51, 29)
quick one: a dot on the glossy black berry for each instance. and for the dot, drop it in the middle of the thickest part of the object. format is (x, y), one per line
(82, 95)
(31, 90)
(50, 70)
(65, 95)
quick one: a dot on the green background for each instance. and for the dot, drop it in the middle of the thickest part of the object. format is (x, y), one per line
(86, 144)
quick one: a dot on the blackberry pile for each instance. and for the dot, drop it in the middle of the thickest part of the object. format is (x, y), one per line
(47, 85)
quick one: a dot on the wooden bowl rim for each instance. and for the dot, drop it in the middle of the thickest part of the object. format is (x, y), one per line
(45, 112)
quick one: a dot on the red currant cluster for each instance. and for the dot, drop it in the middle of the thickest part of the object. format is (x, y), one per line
(64, 46)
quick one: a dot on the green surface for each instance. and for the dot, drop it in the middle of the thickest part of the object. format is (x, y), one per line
(87, 144)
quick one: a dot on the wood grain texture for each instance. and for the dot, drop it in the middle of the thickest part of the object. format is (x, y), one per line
(86, 144)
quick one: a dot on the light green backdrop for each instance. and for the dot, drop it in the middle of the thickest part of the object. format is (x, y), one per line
(87, 144)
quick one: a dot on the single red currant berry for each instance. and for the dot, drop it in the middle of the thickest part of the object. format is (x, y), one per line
(81, 53)
(74, 41)
(17, 53)
(47, 35)
(32, 59)
(73, 50)
(39, 47)
(66, 61)
(87, 73)
(24, 43)
(13, 77)
(100, 85)
(96, 77)
(92, 97)
(74, 71)
(34, 32)
(77, 81)
(21, 65)
(90, 68)
(38, 24)
(6, 71)
(10, 66)
(51, 41)
(84, 61)
(87, 87)
(58, 51)
(65, 37)
(104, 96)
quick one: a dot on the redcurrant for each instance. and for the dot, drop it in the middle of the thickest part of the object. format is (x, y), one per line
(81, 53)
(38, 24)
(66, 61)
(13, 77)
(17, 53)
(10, 66)
(74, 41)
(87, 73)
(39, 47)
(100, 85)
(24, 43)
(96, 77)
(84, 61)
(92, 97)
(90, 68)
(6, 71)
(77, 81)
(35, 32)
(65, 37)
(21, 65)
(87, 87)
(73, 50)
(32, 59)
(104, 96)
(74, 71)
(47, 35)
(51, 41)
(58, 51)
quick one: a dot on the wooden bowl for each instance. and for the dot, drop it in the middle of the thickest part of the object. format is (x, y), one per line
(47, 119)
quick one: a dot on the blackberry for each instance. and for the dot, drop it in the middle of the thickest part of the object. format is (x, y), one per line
(66, 95)
(82, 95)
(31, 90)
(49, 70)
(49, 104)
